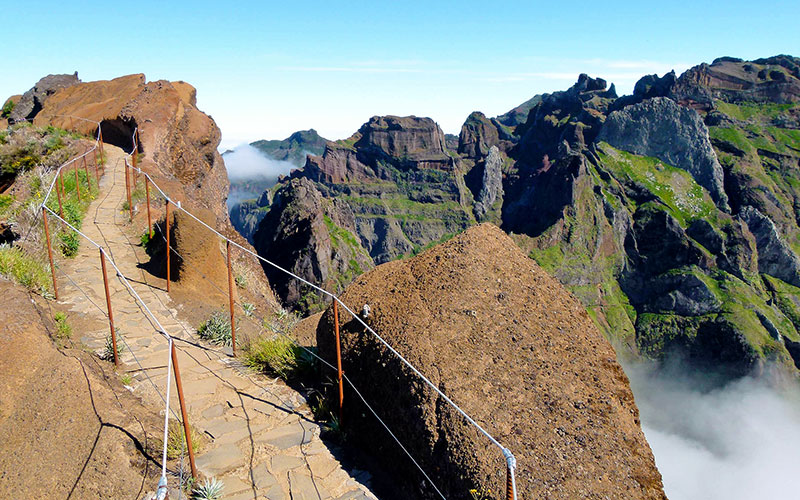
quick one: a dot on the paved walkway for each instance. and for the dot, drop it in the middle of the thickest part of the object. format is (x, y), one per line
(260, 439)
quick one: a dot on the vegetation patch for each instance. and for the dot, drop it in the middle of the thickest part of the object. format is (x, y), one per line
(216, 329)
(26, 270)
(279, 356)
(685, 199)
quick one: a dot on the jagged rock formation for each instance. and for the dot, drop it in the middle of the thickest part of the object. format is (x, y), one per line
(669, 213)
(313, 237)
(676, 135)
(178, 140)
(32, 101)
(516, 351)
(491, 187)
(177, 143)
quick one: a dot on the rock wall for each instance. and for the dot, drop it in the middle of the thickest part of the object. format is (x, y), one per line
(516, 351)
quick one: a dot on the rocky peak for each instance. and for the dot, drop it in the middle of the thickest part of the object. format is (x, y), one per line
(660, 128)
(478, 134)
(407, 137)
(33, 100)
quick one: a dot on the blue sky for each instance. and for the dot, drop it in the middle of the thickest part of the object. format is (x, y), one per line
(265, 69)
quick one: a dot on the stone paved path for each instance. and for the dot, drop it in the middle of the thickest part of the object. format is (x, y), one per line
(260, 439)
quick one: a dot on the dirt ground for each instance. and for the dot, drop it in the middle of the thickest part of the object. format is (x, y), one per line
(68, 427)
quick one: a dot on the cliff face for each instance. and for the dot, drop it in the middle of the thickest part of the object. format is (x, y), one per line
(669, 213)
(389, 190)
(516, 351)
(178, 141)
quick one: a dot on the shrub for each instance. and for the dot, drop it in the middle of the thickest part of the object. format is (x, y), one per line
(25, 270)
(241, 281)
(126, 379)
(7, 108)
(248, 309)
(216, 329)
(176, 439)
(211, 489)
(70, 242)
(108, 351)
(279, 356)
(63, 328)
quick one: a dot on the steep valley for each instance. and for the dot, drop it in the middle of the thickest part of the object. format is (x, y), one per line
(670, 213)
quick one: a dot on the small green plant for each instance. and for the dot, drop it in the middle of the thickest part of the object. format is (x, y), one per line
(8, 108)
(25, 270)
(145, 239)
(249, 309)
(70, 243)
(241, 281)
(176, 439)
(63, 328)
(126, 378)
(278, 356)
(108, 351)
(211, 489)
(216, 329)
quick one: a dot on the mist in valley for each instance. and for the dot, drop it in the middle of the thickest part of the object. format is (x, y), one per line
(251, 172)
(737, 441)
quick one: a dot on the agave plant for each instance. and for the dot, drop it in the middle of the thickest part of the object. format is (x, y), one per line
(211, 489)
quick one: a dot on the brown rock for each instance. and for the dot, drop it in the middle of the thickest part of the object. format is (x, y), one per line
(517, 352)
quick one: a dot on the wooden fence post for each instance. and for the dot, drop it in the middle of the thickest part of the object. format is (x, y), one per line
(108, 305)
(186, 429)
(230, 296)
(50, 251)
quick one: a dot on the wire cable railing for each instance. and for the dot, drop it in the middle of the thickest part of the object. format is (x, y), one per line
(507, 454)
(172, 360)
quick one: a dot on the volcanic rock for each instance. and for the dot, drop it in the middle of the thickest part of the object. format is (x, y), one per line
(517, 352)
(660, 128)
(34, 99)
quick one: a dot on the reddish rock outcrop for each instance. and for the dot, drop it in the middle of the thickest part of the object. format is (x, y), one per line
(516, 351)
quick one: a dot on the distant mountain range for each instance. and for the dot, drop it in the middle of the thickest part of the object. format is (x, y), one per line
(671, 213)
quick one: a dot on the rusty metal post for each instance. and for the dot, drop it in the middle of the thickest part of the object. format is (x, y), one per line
(128, 190)
(230, 296)
(96, 167)
(50, 251)
(186, 429)
(166, 219)
(77, 182)
(149, 221)
(338, 357)
(86, 169)
(108, 305)
(60, 195)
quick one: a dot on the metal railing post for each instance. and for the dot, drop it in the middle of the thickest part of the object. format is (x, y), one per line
(149, 220)
(50, 251)
(166, 219)
(108, 305)
(128, 190)
(338, 358)
(511, 482)
(186, 429)
(86, 169)
(77, 182)
(96, 167)
(59, 194)
(230, 296)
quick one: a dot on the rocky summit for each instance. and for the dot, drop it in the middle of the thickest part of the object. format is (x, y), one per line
(670, 213)
(516, 351)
